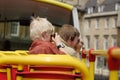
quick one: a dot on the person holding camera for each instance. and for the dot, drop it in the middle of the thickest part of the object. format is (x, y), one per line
(41, 33)
(70, 37)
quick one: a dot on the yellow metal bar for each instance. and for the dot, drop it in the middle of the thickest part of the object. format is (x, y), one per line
(22, 52)
(84, 60)
(13, 53)
(57, 3)
(8, 74)
(19, 77)
(116, 53)
(20, 67)
(60, 60)
(92, 70)
(8, 53)
(113, 75)
(98, 52)
(31, 70)
(3, 70)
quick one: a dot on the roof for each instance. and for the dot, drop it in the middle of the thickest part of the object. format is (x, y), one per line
(109, 5)
(57, 12)
(111, 1)
(91, 3)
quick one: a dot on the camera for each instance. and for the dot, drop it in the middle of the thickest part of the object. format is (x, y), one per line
(53, 35)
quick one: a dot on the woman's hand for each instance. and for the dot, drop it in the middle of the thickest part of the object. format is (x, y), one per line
(57, 39)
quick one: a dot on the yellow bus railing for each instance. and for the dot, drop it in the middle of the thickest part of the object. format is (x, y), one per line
(97, 52)
(115, 52)
(113, 56)
(60, 60)
(57, 3)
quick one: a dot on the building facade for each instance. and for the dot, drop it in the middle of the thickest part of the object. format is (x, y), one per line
(100, 24)
(17, 31)
(17, 34)
(100, 27)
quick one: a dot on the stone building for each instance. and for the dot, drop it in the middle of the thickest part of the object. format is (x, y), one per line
(100, 24)
(100, 27)
(16, 33)
(14, 20)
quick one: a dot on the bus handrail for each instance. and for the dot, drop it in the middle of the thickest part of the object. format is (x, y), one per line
(58, 60)
(57, 3)
(115, 52)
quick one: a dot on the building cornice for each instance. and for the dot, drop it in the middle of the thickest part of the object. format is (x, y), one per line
(93, 15)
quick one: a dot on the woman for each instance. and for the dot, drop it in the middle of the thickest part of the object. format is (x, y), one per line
(70, 37)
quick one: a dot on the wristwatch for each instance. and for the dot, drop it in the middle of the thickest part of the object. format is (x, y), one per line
(61, 45)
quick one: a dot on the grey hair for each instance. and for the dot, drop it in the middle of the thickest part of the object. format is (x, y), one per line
(39, 25)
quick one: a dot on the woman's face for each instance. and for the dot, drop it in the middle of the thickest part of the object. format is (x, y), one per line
(75, 42)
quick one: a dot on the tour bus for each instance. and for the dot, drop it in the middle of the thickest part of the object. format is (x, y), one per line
(17, 64)
(15, 16)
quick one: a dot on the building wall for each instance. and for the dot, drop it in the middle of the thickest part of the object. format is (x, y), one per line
(1, 29)
(108, 35)
(81, 3)
(118, 27)
(72, 2)
(21, 41)
(101, 31)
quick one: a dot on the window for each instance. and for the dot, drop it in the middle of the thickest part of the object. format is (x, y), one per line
(87, 42)
(15, 29)
(105, 42)
(90, 10)
(89, 23)
(97, 24)
(100, 8)
(115, 22)
(114, 41)
(107, 23)
(99, 62)
(96, 45)
(105, 65)
(116, 6)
